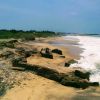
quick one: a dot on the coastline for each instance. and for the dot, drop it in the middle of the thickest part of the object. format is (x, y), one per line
(37, 87)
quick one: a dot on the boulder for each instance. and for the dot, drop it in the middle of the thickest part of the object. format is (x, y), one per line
(83, 75)
(57, 51)
(72, 61)
(46, 52)
(67, 64)
(16, 62)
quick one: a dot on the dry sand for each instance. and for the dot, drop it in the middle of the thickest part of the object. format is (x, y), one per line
(39, 88)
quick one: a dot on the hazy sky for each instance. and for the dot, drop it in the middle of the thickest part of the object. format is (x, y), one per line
(55, 15)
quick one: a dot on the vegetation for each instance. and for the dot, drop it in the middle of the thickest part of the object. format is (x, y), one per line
(6, 34)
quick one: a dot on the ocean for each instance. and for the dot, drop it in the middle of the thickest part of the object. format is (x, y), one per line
(90, 57)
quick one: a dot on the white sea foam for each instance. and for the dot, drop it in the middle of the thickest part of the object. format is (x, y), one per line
(90, 59)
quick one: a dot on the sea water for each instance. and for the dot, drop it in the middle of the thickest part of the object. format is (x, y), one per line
(90, 57)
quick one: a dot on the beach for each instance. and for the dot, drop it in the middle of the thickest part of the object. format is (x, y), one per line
(35, 87)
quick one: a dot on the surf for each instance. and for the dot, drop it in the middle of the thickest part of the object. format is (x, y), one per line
(90, 57)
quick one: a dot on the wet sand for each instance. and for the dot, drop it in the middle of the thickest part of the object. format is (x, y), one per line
(71, 44)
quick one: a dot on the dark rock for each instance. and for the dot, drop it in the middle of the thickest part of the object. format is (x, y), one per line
(83, 75)
(72, 61)
(76, 84)
(46, 52)
(94, 84)
(16, 62)
(30, 53)
(67, 64)
(57, 51)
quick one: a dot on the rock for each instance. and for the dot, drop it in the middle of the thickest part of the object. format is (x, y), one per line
(67, 64)
(26, 53)
(67, 79)
(16, 62)
(62, 56)
(13, 41)
(76, 84)
(7, 54)
(94, 84)
(46, 52)
(20, 50)
(30, 53)
(83, 75)
(72, 61)
(57, 51)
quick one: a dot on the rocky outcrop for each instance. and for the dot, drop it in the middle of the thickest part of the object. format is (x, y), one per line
(25, 53)
(57, 51)
(67, 79)
(46, 52)
(84, 75)
(7, 54)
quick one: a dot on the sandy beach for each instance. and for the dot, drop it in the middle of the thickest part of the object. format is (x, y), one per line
(35, 87)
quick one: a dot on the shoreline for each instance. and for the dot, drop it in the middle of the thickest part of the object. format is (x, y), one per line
(36, 87)
(72, 46)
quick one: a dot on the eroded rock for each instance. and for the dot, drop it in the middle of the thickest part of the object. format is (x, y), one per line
(46, 52)
(57, 51)
(84, 75)
(67, 79)
(67, 64)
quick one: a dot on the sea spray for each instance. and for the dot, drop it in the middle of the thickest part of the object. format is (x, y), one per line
(90, 57)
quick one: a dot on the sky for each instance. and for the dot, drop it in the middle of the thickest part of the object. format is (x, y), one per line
(79, 16)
